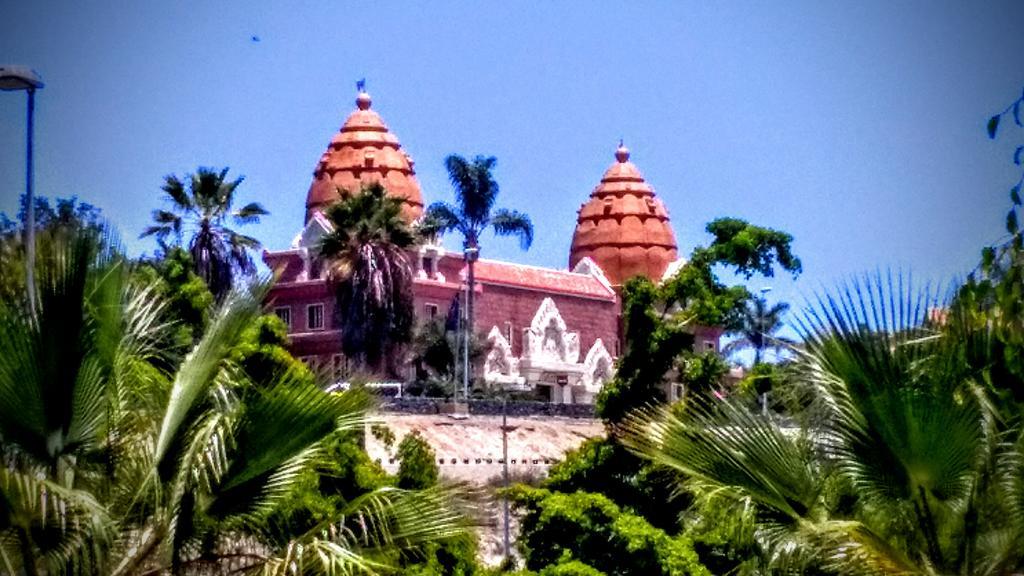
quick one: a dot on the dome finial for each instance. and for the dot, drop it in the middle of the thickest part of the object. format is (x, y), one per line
(363, 100)
(622, 153)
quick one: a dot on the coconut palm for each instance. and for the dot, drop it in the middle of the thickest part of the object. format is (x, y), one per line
(367, 258)
(204, 211)
(909, 474)
(476, 191)
(112, 466)
(760, 326)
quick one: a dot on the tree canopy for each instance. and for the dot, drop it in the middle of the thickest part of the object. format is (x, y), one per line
(368, 264)
(202, 210)
(659, 319)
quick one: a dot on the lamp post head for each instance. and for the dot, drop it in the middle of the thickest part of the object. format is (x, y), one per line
(13, 77)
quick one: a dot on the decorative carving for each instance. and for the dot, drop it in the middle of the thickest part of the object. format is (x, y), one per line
(597, 367)
(500, 367)
(548, 339)
(432, 253)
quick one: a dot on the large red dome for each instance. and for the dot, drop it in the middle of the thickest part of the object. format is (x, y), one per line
(624, 228)
(363, 152)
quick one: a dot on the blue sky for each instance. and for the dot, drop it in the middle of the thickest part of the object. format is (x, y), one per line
(856, 126)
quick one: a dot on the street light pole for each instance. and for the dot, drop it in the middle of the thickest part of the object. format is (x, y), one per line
(30, 210)
(24, 78)
(470, 254)
(505, 429)
(764, 302)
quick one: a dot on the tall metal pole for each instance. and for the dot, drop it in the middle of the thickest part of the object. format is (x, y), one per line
(470, 253)
(30, 212)
(465, 356)
(504, 459)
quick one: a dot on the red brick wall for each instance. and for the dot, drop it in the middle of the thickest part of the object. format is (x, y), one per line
(296, 297)
(495, 305)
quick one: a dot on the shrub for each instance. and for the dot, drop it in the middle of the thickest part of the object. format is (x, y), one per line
(590, 528)
(571, 568)
(417, 467)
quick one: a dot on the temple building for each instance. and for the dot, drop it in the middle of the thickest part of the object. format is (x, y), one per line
(552, 332)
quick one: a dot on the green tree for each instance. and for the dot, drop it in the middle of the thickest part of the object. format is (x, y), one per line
(476, 191)
(113, 465)
(991, 301)
(604, 466)
(417, 468)
(203, 212)
(435, 351)
(66, 212)
(63, 216)
(570, 568)
(907, 475)
(559, 528)
(437, 358)
(658, 320)
(262, 351)
(368, 262)
(188, 301)
(760, 326)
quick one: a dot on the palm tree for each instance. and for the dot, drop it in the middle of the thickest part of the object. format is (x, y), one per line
(475, 193)
(56, 371)
(203, 210)
(367, 256)
(112, 466)
(760, 324)
(915, 471)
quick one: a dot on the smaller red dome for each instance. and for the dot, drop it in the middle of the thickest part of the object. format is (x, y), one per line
(624, 228)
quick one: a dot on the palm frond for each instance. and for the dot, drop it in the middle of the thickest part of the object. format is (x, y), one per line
(61, 526)
(513, 223)
(201, 366)
(278, 431)
(175, 190)
(370, 528)
(728, 446)
(166, 223)
(441, 218)
(52, 373)
(475, 187)
(850, 548)
(903, 419)
(250, 213)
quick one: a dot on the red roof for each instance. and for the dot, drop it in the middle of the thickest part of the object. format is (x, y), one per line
(541, 279)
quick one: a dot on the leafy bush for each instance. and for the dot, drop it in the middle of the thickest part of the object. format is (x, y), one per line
(605, 466)
(452, 557)
(590, 528)
(342, 472)
(189, 300)
(571, 568)
(262, 351)
(417, 467)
